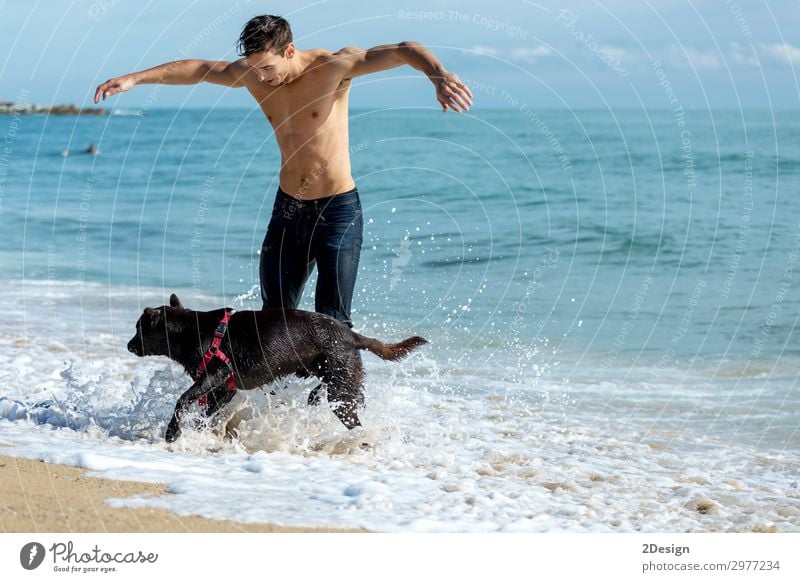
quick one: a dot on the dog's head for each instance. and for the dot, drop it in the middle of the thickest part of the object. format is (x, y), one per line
(155, 328)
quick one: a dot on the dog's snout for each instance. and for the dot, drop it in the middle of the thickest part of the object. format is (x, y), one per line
(133, 346)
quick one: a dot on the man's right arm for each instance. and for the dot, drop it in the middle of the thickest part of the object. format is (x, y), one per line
(186, 72)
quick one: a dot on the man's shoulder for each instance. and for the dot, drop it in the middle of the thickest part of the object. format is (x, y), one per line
(341, 57)
(349, 50)
(241, 70)
(239, 66)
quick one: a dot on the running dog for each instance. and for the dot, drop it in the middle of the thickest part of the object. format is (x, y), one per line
(224, 351)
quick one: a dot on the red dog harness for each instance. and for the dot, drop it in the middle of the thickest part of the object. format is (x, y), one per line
(215, 352)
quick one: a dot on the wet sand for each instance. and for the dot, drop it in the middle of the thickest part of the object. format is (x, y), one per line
(43, 497)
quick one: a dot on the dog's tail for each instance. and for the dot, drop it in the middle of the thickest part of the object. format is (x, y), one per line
(391, 352)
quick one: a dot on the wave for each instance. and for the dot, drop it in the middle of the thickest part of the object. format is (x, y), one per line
(129, 112)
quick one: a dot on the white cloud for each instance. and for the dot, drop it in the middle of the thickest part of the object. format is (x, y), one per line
(782, 52)
(485, 50)
(739, 55)
(613, 52)
(530, 54)
(701, 59)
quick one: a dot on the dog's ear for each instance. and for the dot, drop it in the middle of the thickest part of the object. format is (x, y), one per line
(175, 302)
(154, 315)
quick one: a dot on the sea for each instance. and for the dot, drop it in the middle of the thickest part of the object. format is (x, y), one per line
(611, 299)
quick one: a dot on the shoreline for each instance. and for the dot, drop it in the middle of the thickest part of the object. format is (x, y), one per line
(48, 498)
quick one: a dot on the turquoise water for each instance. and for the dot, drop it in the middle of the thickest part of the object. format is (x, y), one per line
(647, 250)
(479, 213)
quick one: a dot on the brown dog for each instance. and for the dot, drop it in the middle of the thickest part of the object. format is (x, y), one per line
(253, 348)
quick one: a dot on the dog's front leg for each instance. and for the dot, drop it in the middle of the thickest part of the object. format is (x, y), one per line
(218, 398)
(204, 385)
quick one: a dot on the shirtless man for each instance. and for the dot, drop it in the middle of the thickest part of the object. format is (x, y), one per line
(316, 217)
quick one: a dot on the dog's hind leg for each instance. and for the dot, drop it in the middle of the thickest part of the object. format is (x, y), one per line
(318, 370)
(345, 382)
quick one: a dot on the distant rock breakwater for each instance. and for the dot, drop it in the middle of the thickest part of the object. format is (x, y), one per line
(10, 108)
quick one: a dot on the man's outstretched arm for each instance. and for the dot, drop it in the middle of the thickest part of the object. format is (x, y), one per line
(187, 72)
(450, 91)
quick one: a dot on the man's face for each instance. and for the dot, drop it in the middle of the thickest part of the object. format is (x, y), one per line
(271, 68)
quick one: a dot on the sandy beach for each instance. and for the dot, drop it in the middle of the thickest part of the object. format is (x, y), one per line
(44, 497)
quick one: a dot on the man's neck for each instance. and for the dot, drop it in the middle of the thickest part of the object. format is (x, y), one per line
(298, 65)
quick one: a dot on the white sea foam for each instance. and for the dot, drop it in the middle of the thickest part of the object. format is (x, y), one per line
(444, 447)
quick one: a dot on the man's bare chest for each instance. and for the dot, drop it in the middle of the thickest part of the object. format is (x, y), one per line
(303, 103)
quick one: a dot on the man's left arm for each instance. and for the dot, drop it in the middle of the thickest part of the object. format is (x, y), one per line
(451, 92)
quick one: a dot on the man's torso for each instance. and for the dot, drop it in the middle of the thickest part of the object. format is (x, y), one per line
(309, 117)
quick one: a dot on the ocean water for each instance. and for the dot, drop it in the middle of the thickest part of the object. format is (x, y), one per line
(611, 299)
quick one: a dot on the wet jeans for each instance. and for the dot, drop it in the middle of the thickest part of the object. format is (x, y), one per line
(327, 232)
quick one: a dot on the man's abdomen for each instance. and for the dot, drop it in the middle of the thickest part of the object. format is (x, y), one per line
(316, 169)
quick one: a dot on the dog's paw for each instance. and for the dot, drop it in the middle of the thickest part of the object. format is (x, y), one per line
(315, 397)
(173, 431)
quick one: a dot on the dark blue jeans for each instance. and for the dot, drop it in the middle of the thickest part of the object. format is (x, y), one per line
(327, 232)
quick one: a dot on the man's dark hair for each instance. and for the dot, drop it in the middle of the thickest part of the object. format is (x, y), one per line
(264, 33)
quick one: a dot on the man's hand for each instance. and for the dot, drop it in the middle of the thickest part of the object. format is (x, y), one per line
(114, 86)
(452, 93)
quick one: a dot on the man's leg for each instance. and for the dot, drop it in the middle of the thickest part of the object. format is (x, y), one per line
(337, 249)
(284, 266)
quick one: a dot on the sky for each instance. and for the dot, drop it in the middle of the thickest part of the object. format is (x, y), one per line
(718, 54)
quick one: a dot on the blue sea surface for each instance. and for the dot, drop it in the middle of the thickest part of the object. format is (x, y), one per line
(644, 262)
